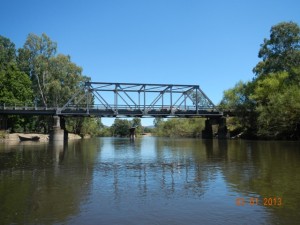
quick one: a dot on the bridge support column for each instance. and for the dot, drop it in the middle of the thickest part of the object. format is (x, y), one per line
(3, 122)
(222, 129)
(63, 126)
(132, 133)
(57, 133)
(207, 133)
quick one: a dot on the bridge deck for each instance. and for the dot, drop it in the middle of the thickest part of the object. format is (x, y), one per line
(105, 112)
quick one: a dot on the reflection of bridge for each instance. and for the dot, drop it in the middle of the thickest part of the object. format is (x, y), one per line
(104, 99)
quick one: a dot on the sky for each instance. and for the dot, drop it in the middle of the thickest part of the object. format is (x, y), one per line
(213, 43)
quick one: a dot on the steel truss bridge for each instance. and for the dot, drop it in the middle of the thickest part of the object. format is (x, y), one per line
(103, 99)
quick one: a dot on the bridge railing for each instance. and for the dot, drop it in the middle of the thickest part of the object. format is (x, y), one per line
(110, 107)
(136, 107)
(24, 106)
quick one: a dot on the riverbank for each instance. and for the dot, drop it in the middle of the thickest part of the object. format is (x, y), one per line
(42, 137)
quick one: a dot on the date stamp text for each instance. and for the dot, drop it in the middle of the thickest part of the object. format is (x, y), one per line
(268, 201)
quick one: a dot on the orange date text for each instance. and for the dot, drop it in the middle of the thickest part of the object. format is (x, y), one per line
(268, 201)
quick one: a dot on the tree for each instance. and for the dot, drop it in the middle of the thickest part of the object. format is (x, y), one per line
(55, 79)
(157, 121)
(268, 86)
(238, 99)
(136, 122)
(34, 59)
(65, 79)
(277, 100)
(86, 126)
(180, 127)
(267, 105)
(15, 86)
(280, 117)
(120, 127)
(7, 52)
(277, 75)
(281, 52)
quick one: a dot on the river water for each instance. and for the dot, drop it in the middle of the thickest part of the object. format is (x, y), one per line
(150, 181)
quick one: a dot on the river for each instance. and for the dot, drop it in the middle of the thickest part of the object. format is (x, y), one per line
(150, 181)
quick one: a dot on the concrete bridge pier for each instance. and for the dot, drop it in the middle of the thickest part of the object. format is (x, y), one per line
(207, 133)
(222, 128)
(58, 132)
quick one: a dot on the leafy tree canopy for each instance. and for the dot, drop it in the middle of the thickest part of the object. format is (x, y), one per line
(281, 52)
(7, 52)
(121, 127)
(268, 106)
(15, 86)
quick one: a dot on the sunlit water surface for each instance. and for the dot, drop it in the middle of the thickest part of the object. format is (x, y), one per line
(150, 181)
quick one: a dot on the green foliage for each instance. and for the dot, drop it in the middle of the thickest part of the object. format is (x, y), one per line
(238, 100)
(105, 132)
(179, 127)
(269, 105)
(281, 52)
(84, 126)
(7, 52)
(37, 73)
(268, 86)
(65, 80)
(136, 122)
(91, 126)
(120, 127)
(34, 59)
(148, 130)
(234, 97)
(157, 121)
(15, 86)
(280, 117)
(55, 78)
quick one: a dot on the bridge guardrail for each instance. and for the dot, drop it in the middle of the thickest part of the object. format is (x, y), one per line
(100, 110)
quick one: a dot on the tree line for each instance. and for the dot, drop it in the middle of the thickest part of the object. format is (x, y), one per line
(36, 74)
(268, 106)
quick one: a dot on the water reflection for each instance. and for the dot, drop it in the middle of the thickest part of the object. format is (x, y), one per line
(154, 180)
(36, 185)
(267, 170)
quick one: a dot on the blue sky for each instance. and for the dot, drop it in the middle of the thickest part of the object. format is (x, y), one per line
(211, 43)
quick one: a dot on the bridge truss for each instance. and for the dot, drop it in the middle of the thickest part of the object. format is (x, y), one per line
(142, 100)
(104, 99)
